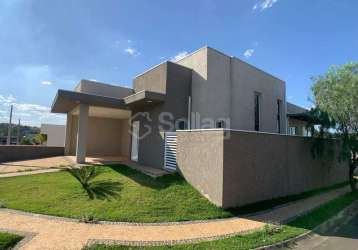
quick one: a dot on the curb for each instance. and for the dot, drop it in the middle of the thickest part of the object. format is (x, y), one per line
(27, 236)
(342, 218)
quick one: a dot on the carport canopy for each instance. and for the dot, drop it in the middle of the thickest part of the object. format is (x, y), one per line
(65, 101)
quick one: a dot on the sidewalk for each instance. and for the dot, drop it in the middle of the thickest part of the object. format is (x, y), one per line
(60, 233)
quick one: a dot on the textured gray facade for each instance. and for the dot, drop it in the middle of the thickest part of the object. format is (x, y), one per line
(224, 87)
(240, 168)
(174, 81)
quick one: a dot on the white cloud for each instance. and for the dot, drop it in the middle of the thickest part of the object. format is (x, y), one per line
(249, 53)
(264, 4)
(179, 56)
(46, 83)
(35, 114)
(132, 51)
(7, 100)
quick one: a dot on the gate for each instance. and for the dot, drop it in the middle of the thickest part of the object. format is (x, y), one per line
(170, 151)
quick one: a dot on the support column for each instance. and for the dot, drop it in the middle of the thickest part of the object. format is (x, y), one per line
(82, 133)
(68, 133)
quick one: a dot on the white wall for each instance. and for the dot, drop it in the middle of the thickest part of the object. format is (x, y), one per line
(56, 134)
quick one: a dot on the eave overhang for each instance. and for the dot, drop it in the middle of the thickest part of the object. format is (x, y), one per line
(65, 101)
(144, 98)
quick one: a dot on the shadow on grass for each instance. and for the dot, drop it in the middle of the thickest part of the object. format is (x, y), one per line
(147, 181)
(104, 190)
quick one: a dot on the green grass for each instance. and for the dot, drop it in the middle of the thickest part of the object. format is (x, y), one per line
(267, 204)
(141, 199)
(261, 238)
(8, 240)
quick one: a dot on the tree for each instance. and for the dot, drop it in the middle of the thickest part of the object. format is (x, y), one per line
(40, 139)
(26, 141)
(336, 95)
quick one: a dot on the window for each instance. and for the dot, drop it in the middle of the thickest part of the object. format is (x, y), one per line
(279, 110)
(180, 124)
(257, 111)
(220, 124)
(292, 130)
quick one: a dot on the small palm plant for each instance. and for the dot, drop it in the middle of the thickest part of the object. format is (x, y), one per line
(85, 176)
(95, 189)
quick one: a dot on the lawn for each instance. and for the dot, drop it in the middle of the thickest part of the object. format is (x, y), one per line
(269, 235)
(140, 199)
(8, 240)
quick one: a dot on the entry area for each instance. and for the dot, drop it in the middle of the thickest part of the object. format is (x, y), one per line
(98, 132)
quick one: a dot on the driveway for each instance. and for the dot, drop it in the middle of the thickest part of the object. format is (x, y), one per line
(343, 237)
(35, 164)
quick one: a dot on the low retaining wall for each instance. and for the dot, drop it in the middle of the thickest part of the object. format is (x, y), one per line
(246, 167)
(28, 152)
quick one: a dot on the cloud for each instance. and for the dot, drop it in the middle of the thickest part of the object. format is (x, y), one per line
(132, 51)
(179, 56)
(46, 83)
(249, 53)
(7, 100)
(264, 4)
(35, 114)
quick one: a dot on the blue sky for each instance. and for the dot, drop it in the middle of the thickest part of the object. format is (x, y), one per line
(47, 45)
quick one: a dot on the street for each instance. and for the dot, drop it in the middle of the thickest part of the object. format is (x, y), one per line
(344, 237)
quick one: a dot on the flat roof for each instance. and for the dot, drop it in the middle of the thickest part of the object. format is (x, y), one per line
(144, 98)
(66, 100)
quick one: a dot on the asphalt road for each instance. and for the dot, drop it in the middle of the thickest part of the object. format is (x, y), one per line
(343, 237)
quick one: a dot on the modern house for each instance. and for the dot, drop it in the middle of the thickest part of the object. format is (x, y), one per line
(297, 120)
(206, 89)
(224, 124)
(55, 134)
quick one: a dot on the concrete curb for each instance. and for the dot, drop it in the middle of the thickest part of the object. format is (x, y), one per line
(92, 242)
(341, 218)
(27, 236)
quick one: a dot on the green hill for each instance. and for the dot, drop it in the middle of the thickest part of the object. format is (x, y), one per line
(24, 130)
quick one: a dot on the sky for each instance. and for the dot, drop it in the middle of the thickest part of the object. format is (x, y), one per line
(50, 45)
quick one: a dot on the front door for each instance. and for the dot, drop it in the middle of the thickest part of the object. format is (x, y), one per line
(135, 140)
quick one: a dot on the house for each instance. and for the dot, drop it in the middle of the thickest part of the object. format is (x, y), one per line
(224, 124)
(55, 134)
(297, 120)
(204, 90)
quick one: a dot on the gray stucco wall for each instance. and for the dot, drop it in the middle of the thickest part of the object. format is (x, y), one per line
(249, 169)
(246, 80)
(28, 152)
(175, 80)
(153, 80)
(223, 87)
(103, 89)
(200, 159)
